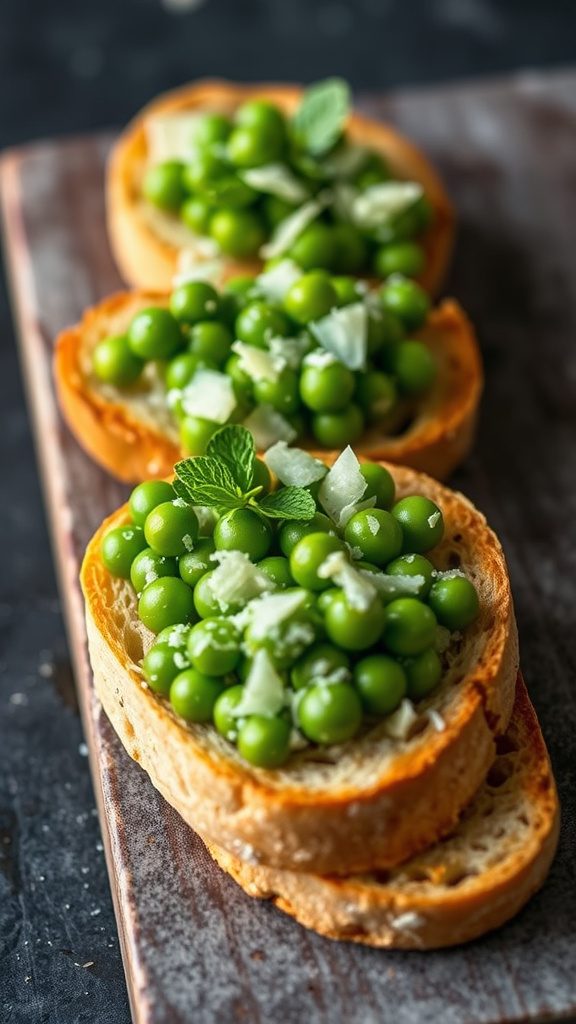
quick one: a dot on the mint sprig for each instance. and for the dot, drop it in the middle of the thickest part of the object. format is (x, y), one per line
(222, 479)
(317, 124)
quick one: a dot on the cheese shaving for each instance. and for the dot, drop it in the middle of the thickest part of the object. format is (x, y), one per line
(344, 333)
(293, 466)
(268, 426)
(342, 489)
(209, 395)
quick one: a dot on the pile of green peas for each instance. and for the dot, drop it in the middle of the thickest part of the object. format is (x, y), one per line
(340, 664)
(331, 404)
(210, 197)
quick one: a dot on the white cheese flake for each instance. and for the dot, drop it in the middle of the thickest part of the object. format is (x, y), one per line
(292, 466)
(267, 612)
(358, 589)
(274, 284)
(289, 229)
(170, 137)
(391, 587)
(258, 363)
(236, 579)
(378, 205)
(400, 724)
(344, 333)
(320, 358)
(263, 692)
(292, 350)
(202, 262)
(277, 180)
(433, 519)
(209, 395)
(268, 426)
(342, 489)
(435, 719)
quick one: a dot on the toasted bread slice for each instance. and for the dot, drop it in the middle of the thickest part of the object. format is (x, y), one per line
(472, 881)
(373, 801)
(134, 436)
(146, 243)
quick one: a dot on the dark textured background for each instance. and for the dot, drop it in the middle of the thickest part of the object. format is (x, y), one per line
(69, 67)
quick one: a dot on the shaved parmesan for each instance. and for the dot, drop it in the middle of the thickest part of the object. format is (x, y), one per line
(391, 587)
(358, 589)
(289, 229)
(170, 137)
(200, 263)
(320, 358)
(276, 180)
(378, 205)
(292, 350)
(236, 579)
(270, 610)
(268, 426)
(209, 395)
(274, 284)
(257, 362)
(400, 724)
(344, 333)
(342, 488)
(263, 692)
(292, 466)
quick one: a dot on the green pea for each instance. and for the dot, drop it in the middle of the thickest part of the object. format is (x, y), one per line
(193, 695)
(254, 145)
(195, 433)
(381, 682)
(214, 646)
(205, 601)
(307, 557)
(338, 429)
(326, 388)
(175, 636)
(423, 672)
(405, 258)
(171, 528)
(194, 301)
(354, 629)
(243, 530)
(148, 566)
(147, 496)
(239, 233)
(161, 666)
(229, 191)
(196, 212)
(210, 128)
(347, 289)
(350, 252)
(314, 247)
(114, 362)
(455, 602)
(376, 394)
(409, 626)
(406, 300)
(377, 533)
(379, 484)
(165, 602)
(154, 334)
(278, 570)
(211, 339)
(205, 168)
(311, 297)
(163, 185)
(330, 713)
(119, 549)
(223, 713)
(193, 564)
(180, 371)
(259, 322)
(265, 742)
(318, 663)
(282, 394)
(413, 365)
(293, 530)
(422, 523)
(414, 565)
(261, 114)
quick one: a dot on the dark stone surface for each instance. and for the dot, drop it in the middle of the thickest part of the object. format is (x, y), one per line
(67, 67)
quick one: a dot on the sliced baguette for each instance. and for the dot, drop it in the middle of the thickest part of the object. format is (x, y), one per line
(146, 243)
(132, 434)
(469, 883)
(373, 801)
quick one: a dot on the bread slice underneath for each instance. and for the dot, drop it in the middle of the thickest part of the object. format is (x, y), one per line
(374, 800)
(469, 883)
(146, 243)
(132, 434)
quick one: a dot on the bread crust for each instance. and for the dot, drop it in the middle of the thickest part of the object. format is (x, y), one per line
(148, 261)
(473, 882)
(110, 426)
(372, 802)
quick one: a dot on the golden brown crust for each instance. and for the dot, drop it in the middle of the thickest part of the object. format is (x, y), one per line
(475, 881)
(437, 439)
(373, 801)
(147, 261)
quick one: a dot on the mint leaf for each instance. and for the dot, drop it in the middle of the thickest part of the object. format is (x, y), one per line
(206, 481)
(320, 118)
(288, 503)
(233, 446)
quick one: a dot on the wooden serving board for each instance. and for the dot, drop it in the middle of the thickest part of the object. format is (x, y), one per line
(195, 947)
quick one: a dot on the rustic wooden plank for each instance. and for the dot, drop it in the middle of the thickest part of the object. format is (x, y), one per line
(194, 946)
